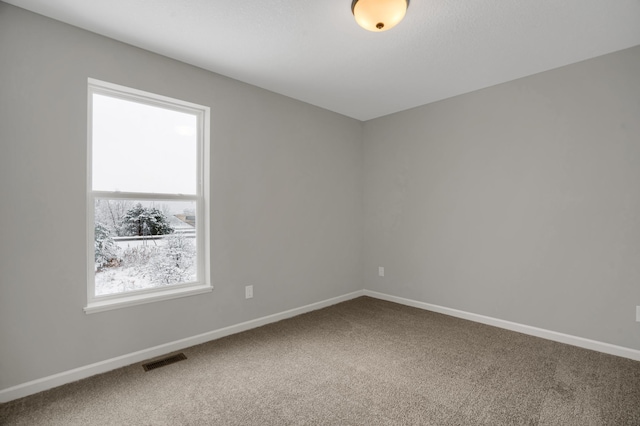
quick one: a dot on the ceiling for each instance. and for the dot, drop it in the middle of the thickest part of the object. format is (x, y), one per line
(313, 50)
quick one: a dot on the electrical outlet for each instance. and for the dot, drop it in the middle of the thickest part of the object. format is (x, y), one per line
(248, 292)
(381, 271)
(638, 313)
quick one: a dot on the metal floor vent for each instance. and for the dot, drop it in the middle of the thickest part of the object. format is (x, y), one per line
(164, 361)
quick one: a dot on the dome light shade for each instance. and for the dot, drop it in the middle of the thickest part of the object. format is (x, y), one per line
(379, 15)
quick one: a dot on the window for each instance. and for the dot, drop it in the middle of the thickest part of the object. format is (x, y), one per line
(147, 197)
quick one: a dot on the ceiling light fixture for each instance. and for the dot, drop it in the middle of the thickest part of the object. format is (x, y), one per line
(379, 15)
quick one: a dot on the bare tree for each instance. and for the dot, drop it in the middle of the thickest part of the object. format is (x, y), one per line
(111, 213)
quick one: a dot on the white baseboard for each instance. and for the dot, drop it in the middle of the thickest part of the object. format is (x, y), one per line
(593, 345)
(59, 379)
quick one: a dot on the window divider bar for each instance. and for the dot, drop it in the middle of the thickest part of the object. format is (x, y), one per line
(117, 195)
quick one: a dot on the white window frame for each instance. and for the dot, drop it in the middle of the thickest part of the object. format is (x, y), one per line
(203, 280)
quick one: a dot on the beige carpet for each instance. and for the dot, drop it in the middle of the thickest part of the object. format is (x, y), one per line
(362, 362)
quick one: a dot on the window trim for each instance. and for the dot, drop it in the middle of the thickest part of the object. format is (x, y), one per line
(203, 284)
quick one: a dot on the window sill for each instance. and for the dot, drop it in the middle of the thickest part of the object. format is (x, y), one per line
(139, 299)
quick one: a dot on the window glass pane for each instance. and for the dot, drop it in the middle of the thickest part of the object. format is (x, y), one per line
(143, 244)
(142, 148)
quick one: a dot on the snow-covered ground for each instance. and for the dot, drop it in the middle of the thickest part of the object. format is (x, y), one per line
(123, 279)
(113, 280)
(120, 280)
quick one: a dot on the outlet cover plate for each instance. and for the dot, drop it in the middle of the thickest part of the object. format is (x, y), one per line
(248, 292)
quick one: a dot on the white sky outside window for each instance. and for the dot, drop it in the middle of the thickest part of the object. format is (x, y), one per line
(142, 148)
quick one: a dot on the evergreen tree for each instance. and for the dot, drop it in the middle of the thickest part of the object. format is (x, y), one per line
(146, 221)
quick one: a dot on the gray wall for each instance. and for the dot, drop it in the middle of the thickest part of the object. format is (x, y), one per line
(519, 202)
(286, 200)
